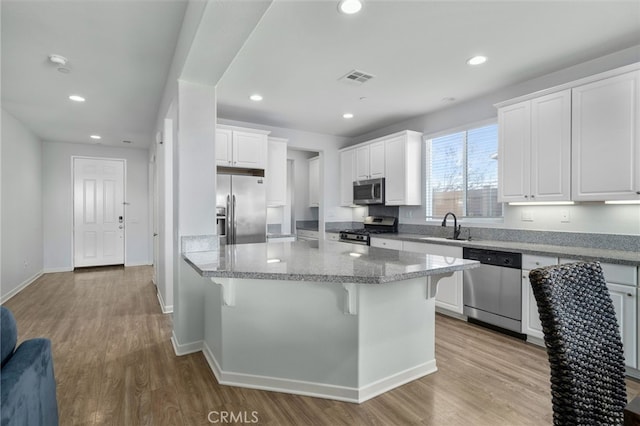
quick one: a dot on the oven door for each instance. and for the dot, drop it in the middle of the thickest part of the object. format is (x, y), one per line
(366, 192)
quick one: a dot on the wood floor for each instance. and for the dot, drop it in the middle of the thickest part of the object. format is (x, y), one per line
(114, 365)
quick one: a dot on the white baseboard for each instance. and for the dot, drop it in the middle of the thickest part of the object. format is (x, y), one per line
(20, 287)
(137, 263)
(318, 390)
(58, 269)
(166, 309)
(633, 372)
(185, 349)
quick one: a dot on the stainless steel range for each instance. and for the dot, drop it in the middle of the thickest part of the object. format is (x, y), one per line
(372, 225)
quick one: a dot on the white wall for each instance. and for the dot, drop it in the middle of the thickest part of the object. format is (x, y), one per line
(58, 202)
(22, 233)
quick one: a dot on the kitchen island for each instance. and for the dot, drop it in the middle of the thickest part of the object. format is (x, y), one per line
(320, 318)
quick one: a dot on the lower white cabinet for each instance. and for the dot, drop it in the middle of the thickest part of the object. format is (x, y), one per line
(387, 243)
(449, 295)
(306, 235)
(530, 318)
(332, 236)
(622, 282)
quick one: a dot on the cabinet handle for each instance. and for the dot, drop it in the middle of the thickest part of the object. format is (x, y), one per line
(533, 196)
(526, 196)
(638, 192)
(537, 263)
(629, 294)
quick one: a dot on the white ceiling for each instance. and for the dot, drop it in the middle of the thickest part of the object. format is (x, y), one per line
(120, 52)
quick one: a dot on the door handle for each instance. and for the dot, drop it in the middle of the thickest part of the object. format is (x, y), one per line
(235, 225)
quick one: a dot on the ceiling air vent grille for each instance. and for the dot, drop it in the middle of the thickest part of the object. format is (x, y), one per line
(356, 77)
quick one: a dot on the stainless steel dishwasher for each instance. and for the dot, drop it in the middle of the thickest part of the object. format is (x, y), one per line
(493, 291)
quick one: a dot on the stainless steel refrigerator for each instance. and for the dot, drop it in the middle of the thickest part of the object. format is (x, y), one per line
(241, 209)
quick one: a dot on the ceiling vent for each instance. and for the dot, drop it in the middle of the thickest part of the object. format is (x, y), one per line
(356, 77)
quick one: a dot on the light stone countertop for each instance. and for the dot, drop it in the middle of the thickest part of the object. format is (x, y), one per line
(320, 261)
(621, 257)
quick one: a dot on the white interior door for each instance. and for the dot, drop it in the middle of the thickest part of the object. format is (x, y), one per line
(98, 200)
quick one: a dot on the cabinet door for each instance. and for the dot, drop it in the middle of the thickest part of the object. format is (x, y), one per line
(624, 301)
(362, 163)
(249, 150)
(531, 325)
(314, 182)
(551, 147)
(347, 176)
(449, 294)
(224, 147)
(605, 139)
(395, 181)
(276, 173)
(376, 160)
(514, 147)
(386, 243)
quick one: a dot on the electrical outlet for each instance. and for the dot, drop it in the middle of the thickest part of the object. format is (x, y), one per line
(564, 216)
(527, 216)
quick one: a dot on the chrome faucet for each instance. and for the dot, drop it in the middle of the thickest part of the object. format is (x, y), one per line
(456, 227)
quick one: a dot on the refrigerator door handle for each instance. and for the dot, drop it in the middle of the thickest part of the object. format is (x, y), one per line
(229, 217)
(234, 220)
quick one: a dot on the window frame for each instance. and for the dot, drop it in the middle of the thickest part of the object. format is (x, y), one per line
(426, 157)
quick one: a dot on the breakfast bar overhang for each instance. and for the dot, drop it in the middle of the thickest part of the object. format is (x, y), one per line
(323, 319)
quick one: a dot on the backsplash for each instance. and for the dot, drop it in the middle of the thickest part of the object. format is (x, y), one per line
(576, 239)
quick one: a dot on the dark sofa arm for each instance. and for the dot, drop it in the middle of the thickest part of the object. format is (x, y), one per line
(28, 386)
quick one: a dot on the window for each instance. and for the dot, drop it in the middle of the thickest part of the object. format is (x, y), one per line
(462, 174)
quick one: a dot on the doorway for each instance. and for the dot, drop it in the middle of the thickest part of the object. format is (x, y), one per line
(98, 211)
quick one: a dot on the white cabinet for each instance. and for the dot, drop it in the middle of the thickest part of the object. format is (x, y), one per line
(606, 139)
(370, 161)
(386, 243)
(276, 172)
(449, 294)
(224, 147)
(403, 175)
(396, 157)
(347, 176)
(332, 236)
(530, 318)
(622, 282)
(534, 158)
(314, 182)
(307, 235)
(239, 147)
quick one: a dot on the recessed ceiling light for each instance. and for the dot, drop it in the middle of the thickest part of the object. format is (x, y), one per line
(95, 137)
(349, 7)
(255, 98)
(76, 98)
(477, 60)
(348, 115)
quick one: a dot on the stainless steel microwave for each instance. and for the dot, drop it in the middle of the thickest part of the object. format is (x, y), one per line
(367, 192)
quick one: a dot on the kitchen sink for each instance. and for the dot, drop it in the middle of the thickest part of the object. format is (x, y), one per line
(442, 239)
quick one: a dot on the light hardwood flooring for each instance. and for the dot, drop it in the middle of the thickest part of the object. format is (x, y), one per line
(114, 365)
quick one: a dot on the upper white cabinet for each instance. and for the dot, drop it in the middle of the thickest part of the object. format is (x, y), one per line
(276, 172)
(239, 147)
(402, 169)
(395, 157)
(370, 161)
(314, 182)
(534, 159)
(347, 176)
(606, 141)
